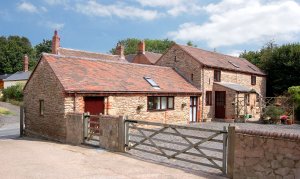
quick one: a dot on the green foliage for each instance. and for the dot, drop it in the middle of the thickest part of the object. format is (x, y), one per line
(4, 111)
(274, 112)
(12, 50)
(14, 92)
(190, 43)
(45, 46)
(131, 45)
(281, 63)
(294, 91)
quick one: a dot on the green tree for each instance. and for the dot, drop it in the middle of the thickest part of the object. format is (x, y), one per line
(12, 50)
(131, 44)
(45, 46)
(190, 43)
(281, 63)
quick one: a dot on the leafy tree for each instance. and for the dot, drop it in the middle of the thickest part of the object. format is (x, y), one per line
(281, 63)
(12, 50)
(45, 46)
(131, 44)
(190, 43)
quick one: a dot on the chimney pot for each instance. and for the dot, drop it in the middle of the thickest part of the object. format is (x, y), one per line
(120, 51)
(141, 47)
(55, 43)
(25, 63)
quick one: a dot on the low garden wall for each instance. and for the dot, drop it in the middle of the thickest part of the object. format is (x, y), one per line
(266, 155)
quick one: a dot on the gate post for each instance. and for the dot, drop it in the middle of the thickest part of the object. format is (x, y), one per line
(122, 134)
(126, 132)
(21, 120)
(231, 148)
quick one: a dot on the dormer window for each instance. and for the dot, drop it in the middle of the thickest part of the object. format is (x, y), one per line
(152, 82)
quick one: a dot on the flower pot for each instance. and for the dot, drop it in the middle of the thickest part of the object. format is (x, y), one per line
(283, 121)
(289, 122)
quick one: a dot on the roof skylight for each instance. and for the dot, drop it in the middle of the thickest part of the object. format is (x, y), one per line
(252, 68)
(235, 65)
(152, 82)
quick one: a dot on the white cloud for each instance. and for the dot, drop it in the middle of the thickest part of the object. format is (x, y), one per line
(56, 2)
(233, 22)
(27, 7)
(173, 7)
(235, 53)
(53, 25)
(92, 8)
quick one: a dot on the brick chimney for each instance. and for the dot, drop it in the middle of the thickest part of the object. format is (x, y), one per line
(141, 47)
(120, 51)
(55, 43)
(25, 63)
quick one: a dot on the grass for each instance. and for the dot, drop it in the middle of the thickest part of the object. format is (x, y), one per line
(4, 111)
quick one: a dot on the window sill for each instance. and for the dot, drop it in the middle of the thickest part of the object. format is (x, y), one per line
(159, 110)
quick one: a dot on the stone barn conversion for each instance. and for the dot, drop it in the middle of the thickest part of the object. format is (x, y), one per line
(231, 86)
(63, 84)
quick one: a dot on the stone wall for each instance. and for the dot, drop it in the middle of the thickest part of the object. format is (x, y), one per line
(266, 155)
(127, 106)
(44, 85)
(112, 133)
(74, 127)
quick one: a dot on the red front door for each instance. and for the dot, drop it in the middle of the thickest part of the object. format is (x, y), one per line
(220, 103)
(94, 105)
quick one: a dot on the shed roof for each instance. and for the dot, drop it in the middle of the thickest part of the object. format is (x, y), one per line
(20, 75)
(4, 76)
(217, 60)
(90, 75)
(236, 87)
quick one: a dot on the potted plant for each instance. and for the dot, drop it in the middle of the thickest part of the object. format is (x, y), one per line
(283, 119)
(266, 120)
(289, 120)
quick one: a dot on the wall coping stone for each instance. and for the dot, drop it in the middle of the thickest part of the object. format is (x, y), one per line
(278, 135)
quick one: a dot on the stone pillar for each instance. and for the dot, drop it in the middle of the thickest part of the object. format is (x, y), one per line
(74, 128)
(231, 148)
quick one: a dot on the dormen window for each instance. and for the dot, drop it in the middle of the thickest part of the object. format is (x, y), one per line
(217, 75)
(152, 82)
(253, 80)
(42, 107)
(160, 103)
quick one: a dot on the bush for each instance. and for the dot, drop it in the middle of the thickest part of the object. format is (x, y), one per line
(294, 91)
(274, 112)
(14, 93)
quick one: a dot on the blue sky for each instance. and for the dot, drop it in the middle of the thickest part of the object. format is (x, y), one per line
(229, 26)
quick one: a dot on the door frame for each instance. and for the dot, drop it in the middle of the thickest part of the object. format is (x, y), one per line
(192, 107)
(220, 92)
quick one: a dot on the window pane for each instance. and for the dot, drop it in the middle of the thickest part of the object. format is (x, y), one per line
(150, 102)
(170, 103)
(157, 102)
(163, 102)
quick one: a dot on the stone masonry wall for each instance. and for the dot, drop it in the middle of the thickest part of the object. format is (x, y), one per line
(44, 85)
(127, 105)
(266, 156)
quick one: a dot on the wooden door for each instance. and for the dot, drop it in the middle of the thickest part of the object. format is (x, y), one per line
(94, 105)
(193, 108)
(220, 104)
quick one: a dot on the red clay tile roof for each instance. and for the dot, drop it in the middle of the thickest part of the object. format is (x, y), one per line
(151, 56)
(87, 75)
(86, 54)
(217, 60)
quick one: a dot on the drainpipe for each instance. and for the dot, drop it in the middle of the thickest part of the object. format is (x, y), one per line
(202, 86)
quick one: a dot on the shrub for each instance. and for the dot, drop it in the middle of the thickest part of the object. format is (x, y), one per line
(14, 92)
(274, 112)
(294, 91)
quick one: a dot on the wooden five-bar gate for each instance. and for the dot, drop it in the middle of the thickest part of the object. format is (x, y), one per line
(178, 142)
(91, 130)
